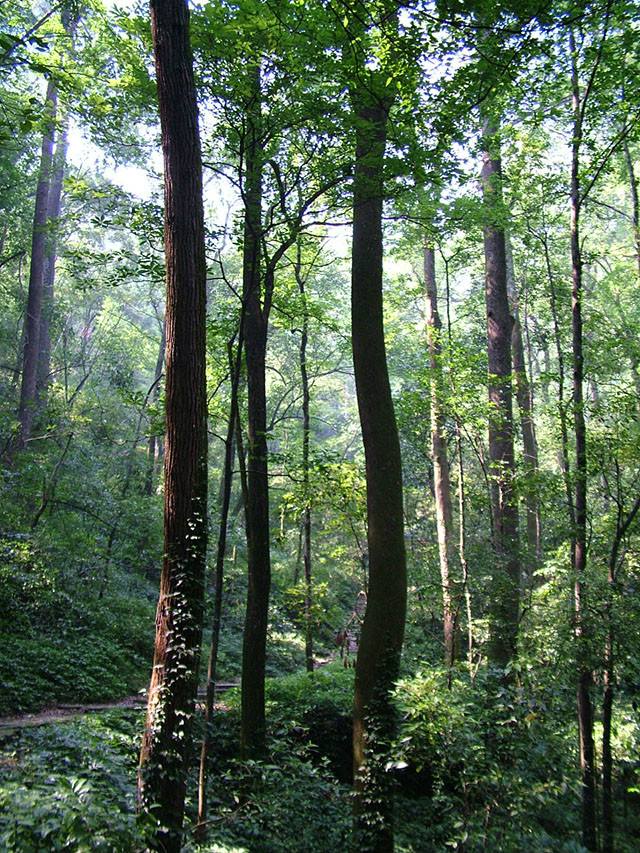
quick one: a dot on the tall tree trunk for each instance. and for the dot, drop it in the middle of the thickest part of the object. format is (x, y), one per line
(306, 431)
(524, 398)
(43, 378)
(167, 737)
(252, 728)
(503, 623)
(31, 350)
(441, 473)
(227, 479)
(579, 537)
(383, 628)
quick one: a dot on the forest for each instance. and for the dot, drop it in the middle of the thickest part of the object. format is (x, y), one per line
(319, 426)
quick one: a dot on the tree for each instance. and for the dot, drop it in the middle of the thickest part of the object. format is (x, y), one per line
(172, 691)
(31, 350)
(383, 628)
(441, 476)
(503, 625)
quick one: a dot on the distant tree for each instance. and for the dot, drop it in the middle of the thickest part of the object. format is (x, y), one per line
(440, 456)
(503, 624)
(172, 692)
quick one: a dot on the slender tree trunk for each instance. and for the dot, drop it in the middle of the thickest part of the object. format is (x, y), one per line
(227, 479)
(461, 496)
(36, 275)
(441, 473)
(622, 527)
(635, 205)
(172, 692)
(524, 398)
(383, 628)
(154, 440)
(503, 625)
(252, 730)
(306, 431)
(579, 538)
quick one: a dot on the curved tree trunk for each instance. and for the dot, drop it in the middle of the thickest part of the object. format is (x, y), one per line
(167, 737)
(383, 628)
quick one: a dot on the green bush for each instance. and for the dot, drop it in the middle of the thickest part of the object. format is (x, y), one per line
(63, 641)
(71, 787)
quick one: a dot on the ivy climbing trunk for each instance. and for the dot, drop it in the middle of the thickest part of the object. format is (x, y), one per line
(441, 470)
(504, 602)
(172, 691)
(383, 627)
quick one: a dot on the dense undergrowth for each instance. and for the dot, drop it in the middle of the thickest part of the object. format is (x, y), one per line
(62, 637)
(478, 768)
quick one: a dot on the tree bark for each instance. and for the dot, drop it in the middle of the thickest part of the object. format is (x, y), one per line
(441, 471)
(172, 691)
(31, 350)
(503, 622)
(383, 627)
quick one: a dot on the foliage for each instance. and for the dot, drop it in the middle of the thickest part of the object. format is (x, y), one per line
(95, 648)
(71, 787)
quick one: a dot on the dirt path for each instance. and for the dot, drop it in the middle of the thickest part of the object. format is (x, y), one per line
(63, 712)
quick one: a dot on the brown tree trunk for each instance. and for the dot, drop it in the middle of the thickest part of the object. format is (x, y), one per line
(383, 628)
(503, 619)
(31, 350)
(441, 473)
(252, 729)
(43, 378)
(172, 691)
